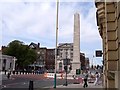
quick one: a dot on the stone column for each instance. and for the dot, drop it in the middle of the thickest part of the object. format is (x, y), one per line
(76, 44)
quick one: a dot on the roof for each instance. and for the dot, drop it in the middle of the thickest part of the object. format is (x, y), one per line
(6, 56)
(65, 44)
(34, 45)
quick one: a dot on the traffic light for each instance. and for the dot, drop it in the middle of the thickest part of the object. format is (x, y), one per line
(77, 71)
(70, 68)
(65, 68)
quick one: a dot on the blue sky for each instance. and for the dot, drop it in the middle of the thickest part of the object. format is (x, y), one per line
(35, 22)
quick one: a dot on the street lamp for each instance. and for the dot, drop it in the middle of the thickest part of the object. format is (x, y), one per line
(66, 70)
(92, 64)
(56, 44)
(66, 67)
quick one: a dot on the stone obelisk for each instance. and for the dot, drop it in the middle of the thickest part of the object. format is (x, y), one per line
(76, 64)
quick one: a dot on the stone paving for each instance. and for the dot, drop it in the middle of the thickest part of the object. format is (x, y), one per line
(90, 85)
(79, 86)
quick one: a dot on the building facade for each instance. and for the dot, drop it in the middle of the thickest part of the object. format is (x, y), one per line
(82, 60)
(87, 63)
(50, 59)
(45, 57)
(7, 62)
(65, 51)
(41, 56)
(108, 21)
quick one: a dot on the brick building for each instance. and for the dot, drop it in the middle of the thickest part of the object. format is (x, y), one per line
(50, 59)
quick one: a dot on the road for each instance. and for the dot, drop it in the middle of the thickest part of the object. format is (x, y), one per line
(39, 81)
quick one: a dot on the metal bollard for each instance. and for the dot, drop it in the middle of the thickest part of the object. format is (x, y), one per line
(31, 85)
(20, 72)
(13, 72)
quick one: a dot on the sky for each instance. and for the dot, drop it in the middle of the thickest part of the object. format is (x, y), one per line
(36, 22)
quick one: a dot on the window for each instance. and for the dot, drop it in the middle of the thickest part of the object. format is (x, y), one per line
(10, 65)
(60, 66)
(61, 55)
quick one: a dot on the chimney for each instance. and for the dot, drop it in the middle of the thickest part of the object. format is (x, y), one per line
(38, 45)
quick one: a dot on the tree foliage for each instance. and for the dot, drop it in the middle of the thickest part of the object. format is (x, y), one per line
(25, 55)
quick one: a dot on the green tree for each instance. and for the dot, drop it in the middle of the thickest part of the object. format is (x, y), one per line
(22, 52)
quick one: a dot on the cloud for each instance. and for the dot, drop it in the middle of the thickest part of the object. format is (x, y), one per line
(26, 1)
(36, 22)
(32, 21)
(39, 19)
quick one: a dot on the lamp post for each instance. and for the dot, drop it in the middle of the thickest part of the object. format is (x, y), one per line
(92, 64)
(56, 44)
(66, 68)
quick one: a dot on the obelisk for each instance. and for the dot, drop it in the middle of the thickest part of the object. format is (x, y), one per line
(76, 64)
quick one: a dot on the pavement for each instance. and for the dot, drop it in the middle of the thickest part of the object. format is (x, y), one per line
(40, 77)
(79, 86)
(90, 85)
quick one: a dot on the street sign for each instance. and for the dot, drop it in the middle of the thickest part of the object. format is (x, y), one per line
(99, 53)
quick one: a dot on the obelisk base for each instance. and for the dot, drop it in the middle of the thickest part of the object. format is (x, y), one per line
(75, 66)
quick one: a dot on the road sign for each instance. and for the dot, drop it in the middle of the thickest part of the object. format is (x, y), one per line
(99, 53)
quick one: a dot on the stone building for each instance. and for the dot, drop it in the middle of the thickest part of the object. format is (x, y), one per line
(108, 21)
(7, 62)
(65, 50)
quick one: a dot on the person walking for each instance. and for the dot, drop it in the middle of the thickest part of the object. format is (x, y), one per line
(85, 80)
(9, 73)
(96, 78)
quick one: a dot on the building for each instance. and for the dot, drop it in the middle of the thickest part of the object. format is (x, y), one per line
(7, 62)
(65, 51)
(82, 60)
(87, 63)
(45, 57)
(108, 21)
(50, 59)
(41, 59)
(41, 56)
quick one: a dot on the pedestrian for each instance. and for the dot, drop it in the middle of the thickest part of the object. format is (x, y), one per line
(85, 79)
(8, 76)
(96, 78)
(9, 73)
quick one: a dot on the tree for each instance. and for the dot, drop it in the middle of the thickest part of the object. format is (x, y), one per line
(22, 52)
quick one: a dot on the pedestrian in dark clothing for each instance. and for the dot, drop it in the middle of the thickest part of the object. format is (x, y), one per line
(8, 76)
(9, 73)
(85, 80)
